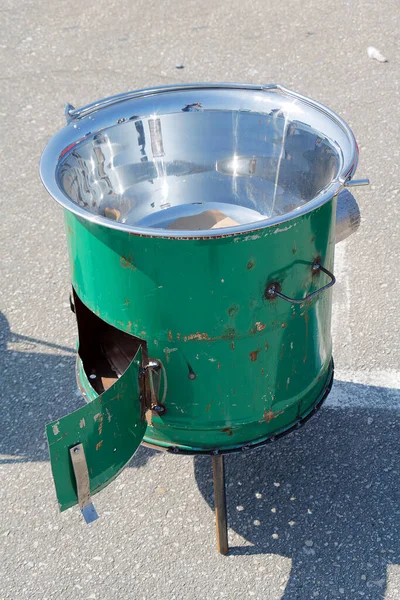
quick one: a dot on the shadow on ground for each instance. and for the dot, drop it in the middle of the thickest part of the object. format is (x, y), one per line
(326, 496)
(38, 385)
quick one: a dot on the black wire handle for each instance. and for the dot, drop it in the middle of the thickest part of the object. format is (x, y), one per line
(273, 289)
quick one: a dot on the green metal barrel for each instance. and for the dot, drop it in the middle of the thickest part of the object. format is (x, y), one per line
(201, 222)
(240, 366)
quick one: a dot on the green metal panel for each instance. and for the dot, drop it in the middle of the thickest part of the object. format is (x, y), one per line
(109, 427)
(240, 367)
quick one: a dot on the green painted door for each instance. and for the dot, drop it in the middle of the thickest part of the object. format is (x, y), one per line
(110, 429)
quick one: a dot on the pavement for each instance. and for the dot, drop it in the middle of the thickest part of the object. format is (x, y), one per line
(315, 515)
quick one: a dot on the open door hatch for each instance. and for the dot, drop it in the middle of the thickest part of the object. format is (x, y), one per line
(91, 446)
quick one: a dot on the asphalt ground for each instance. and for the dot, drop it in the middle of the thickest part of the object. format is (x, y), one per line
(315, 515)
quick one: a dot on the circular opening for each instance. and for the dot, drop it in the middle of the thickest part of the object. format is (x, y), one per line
(195, 160)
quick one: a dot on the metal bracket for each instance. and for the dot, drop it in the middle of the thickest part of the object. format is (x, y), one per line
(67, 112)
(356, 182)
(150, 388)
(81, 473)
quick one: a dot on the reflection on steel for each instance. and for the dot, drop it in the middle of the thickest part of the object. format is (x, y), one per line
(138, 161)
(156, 138)
(348, 216)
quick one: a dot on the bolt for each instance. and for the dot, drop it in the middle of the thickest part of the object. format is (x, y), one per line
(76, 450)
(192, 375)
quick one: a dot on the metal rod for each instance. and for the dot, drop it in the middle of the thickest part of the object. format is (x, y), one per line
(356, 182)
(220, 503)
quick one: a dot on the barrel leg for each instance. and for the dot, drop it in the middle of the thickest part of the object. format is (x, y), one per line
(220, 503)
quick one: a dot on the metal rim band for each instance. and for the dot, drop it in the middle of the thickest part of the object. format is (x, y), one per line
(50, 155)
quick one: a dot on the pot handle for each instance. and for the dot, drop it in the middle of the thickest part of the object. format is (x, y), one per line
(72, 113)
(273, 290)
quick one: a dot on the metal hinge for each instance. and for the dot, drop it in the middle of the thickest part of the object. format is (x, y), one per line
(150, 376)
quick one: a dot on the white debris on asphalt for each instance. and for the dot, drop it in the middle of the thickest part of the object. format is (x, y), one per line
(376, 55)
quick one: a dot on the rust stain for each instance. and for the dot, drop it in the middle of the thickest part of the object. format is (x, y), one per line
(99, 445)
(317, 261)
(294, 249)
(262, 371)
(254, 355)
(219, 366)
(127, 301)
(178, 336)
(233, 310)
(128, 262)
(142, 333)
(232, 345)
(267, 294)
(269, 415)
(99, 418)
(69, 229)
(266, 346)
(250, 264)
(129, 325)
(82, 423)
(284, 325)
(260, 326)
(208, 407)
(198, 336)
(227, 430)
(170, 335)
(227, 334)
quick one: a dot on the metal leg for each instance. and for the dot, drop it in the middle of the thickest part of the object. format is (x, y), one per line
(220, 503)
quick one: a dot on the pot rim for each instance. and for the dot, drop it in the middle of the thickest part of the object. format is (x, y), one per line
(57, 148)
